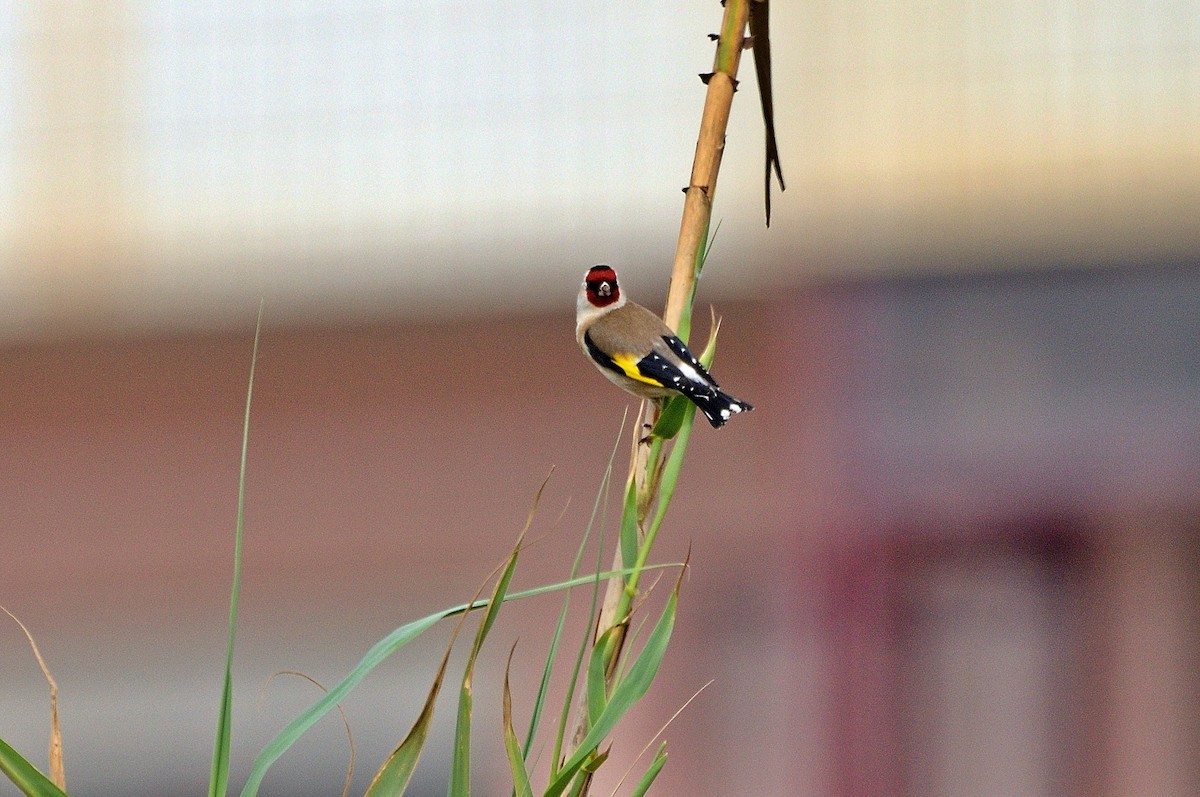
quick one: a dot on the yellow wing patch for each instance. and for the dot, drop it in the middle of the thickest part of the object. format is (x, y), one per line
(629, 364)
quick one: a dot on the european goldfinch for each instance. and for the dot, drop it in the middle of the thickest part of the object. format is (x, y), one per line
(639, 353)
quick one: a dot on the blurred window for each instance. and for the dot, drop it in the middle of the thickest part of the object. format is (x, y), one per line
(957, 668)
(987, 674)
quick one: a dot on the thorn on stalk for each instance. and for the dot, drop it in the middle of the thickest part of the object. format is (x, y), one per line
(706, 78)
(648, 428)
(714, 37)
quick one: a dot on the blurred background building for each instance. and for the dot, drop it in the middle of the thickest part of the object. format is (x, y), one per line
(954, 551)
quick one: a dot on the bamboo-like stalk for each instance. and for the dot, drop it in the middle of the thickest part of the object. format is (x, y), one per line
(710, 146)
(646, 459)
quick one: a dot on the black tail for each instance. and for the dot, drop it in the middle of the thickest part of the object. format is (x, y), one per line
(719, 407)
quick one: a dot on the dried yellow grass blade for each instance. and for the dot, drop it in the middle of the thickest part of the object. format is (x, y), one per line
(58, 772)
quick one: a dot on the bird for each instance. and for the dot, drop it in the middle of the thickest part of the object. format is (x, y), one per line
(640, 354)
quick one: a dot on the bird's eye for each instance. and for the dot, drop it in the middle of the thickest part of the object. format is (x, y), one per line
(605, 289)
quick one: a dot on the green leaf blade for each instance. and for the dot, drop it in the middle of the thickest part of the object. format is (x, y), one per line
(647, 780)
(393, 777)
(629, 526)
(599, 503)
(218, 784)
(378, 653)
(596, 684)
(516, 757)
(310, 716)
(25, 775)
(460, 765)
(624, 695)
(671, 418)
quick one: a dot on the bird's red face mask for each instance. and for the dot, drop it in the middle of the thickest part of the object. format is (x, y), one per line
(602, 289)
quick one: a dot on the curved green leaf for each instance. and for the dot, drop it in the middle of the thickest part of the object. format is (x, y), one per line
(624, 695)
(394, 776)
(600, 502)
(670, 419)
(597, 688)
(460, 765)
(656, 766)
(378, 653)
(25, 775)
(516, 757)
(629, 526)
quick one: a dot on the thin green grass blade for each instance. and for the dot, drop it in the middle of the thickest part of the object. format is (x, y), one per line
(670, 475)
(378, 653)
(631, 640)
(624, 695)
(684, 330)
(585, 642)
(597, 689)
(460, 765)
(394, 776)
(516, 758)
(578, 581)
(599, 506)
(656, 766)
(629, 526)
(670, 478)
(460, 761)
(712, 239)
(710, 349)
(25, 775)
(382, 649)
(685, 318)
(218, 783)
(396, 773)
(501, 590)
